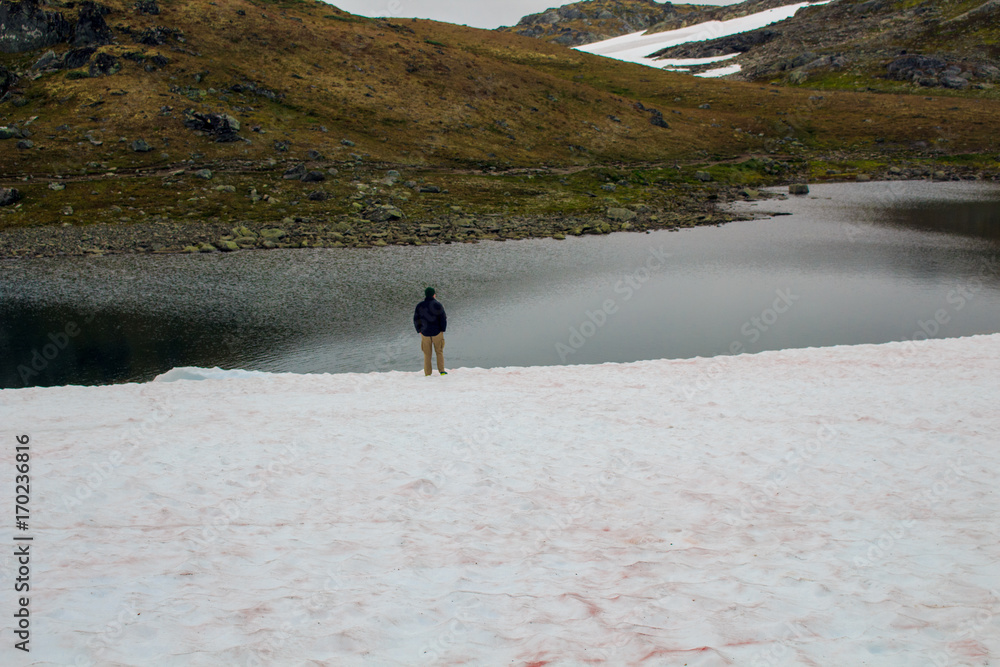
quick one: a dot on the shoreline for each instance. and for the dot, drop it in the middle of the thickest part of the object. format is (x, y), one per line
(208, 237)
(170, 237)
(161, 235)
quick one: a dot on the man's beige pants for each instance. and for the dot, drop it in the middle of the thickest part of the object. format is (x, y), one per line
(438, 343)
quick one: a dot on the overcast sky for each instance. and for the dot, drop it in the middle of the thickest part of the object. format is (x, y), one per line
(478, 13)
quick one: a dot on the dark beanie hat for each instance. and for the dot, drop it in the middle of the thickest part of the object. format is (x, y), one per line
(429, 292)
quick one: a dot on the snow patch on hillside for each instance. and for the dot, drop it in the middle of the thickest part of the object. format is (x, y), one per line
(637, 46)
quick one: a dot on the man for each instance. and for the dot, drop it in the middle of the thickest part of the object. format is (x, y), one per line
(430, 321)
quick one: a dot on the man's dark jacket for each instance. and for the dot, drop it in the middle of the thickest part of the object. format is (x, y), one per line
(429, 318)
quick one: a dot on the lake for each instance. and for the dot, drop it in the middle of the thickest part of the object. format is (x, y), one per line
(853, 263)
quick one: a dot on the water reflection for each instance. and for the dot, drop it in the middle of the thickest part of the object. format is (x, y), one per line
(863, 263)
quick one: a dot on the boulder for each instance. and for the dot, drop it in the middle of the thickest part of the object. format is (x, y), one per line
(294, 172)
(25, 26)
(318, 195)
(749, 193)
(432, 189)
(7, 80)
(862, 178)
(609, 187)
(148, 7)
(620, 214)
(104, 64)
(140, 146)
(656, 119)
(227, 246)
(220, 126)
(204, 173)
(244, 232)
(314, 155)
(91, 28)
(346, 142)
(988, 72)
(9, 196)
(157, 35)
(802, 59)
(25, 144)
(75, 58)
(703, 176)
(48, 61)
(313, 177)
(905, 68)
(954, 81)
(56, 186)
(797, 77)
(10, 133)
(225, 188)
(798, 189)
(383, 213)
(273, 233)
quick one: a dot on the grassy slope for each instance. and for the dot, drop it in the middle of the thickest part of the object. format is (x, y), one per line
(432, 98)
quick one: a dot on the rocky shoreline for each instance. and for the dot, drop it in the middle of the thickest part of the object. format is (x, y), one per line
(201, 237)
(163, 236)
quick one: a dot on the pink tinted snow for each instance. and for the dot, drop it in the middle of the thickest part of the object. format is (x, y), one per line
(820, 506)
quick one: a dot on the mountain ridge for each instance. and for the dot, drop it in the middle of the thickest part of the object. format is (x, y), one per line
(845, 44)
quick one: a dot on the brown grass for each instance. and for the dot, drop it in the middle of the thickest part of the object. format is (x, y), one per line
(423, 93)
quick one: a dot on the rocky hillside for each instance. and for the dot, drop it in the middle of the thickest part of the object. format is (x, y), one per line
(591, 21)
(898, 45)
(242, 111)
(723, 13)
(146, 84)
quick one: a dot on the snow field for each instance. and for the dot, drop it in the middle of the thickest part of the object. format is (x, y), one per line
(818, 507)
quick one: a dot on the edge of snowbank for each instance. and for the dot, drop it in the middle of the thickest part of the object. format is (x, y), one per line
(895, 348)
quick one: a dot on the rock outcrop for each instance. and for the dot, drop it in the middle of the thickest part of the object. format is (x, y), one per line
(9, 196)
(220, 126)
(592, 21)
(711, 48)
(7, 80)
(104, 64)
(25, 26)
(91, 28)
(934, 71)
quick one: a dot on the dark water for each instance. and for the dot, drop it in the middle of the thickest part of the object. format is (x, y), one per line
(864, 263)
